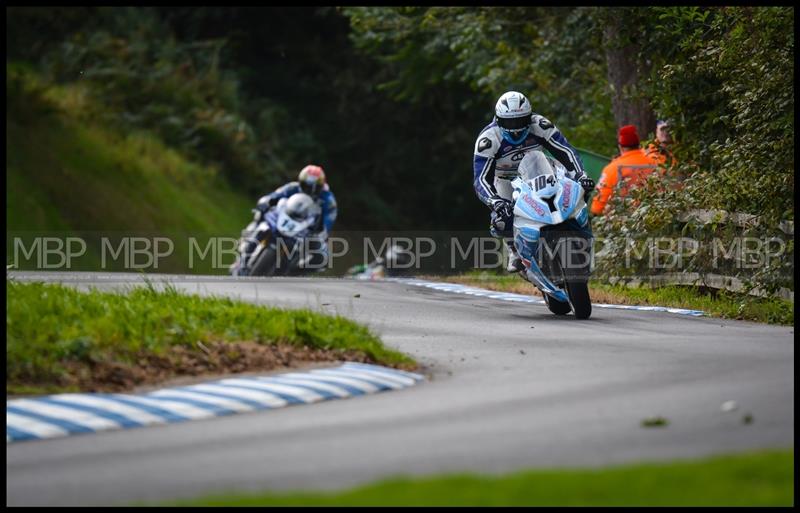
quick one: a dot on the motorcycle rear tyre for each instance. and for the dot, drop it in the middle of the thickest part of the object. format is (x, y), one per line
(579, 299)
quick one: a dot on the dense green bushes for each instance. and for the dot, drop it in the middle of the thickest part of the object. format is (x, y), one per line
(731, 90)
(139, 76)
(391, 98)
(69, 177)
(726, 81)
(722, 75)
(549, 53)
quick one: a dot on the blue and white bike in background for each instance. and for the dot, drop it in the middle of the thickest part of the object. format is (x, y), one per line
(552, 234)
(282, 240)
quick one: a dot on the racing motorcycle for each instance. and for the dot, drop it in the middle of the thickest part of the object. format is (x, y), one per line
(282, 241)
(552, 235)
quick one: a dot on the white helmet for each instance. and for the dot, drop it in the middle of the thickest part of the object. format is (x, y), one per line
(513, 115)
(396, 259)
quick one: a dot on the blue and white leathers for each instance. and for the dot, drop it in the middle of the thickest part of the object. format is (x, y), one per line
(496, 160)
(326, 202)
(532, 212)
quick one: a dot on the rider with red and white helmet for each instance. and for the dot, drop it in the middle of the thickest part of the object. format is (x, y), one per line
(311, 181)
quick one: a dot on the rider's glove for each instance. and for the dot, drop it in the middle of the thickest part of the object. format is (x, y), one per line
(263, 203)
(503, 208)
(267, 202)
(586, 182)
(502, 215)
(319, 225)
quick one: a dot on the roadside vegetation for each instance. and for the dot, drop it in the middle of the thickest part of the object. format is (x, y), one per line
(80, 178)
(753, 479)
(723, 76)
(716, 303)
(61, 339)
(243, 97)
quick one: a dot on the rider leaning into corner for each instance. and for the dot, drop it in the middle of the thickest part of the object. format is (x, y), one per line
(311, 181)
(514, 132)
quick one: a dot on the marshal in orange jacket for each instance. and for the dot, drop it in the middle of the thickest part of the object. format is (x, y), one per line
(632, 167)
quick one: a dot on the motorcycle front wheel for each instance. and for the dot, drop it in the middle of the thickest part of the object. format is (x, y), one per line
(556, 306)
(265, 262)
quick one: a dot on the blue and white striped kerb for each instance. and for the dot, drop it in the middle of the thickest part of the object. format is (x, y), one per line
(65, 414)
(507, 296)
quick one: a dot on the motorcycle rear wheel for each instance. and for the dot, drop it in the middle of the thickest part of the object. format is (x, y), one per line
(579, 299)
(577, 292)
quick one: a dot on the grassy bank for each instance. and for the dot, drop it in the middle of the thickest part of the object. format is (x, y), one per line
(69, 175)
(61, 339)
(756, 479)
(723, 304)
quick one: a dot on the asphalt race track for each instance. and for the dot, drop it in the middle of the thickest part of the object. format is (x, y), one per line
(509, 386)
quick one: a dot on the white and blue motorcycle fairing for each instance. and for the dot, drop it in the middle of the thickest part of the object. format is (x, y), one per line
(532, 212)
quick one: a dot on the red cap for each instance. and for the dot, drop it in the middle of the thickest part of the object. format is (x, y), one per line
(628, 136)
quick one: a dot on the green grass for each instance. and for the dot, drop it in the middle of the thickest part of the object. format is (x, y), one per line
(755, 479)
(69, 175)
(48, 326)
(723, 304)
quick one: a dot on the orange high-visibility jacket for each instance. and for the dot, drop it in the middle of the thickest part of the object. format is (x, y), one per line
(628, 169)
(661, 153)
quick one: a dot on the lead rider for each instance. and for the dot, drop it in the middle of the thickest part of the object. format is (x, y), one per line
(514, 132)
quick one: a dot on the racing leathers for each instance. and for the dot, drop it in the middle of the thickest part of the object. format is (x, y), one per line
(325, 201)
(316, 248)
(495, 165)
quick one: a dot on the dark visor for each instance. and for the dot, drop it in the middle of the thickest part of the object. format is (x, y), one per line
(298, 216)
(308, 188)
(514, 123)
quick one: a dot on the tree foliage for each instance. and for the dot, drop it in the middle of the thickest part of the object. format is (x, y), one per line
(139, 75)
(550, 54)
(731, 88)
(390, 99)
(725, 77)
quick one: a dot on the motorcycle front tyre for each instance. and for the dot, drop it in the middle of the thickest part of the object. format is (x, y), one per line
(556, 306)
(265, 263)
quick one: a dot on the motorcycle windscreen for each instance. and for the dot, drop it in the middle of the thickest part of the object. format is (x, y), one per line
(290, 227)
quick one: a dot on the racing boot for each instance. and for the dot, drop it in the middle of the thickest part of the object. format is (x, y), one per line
(514, 260)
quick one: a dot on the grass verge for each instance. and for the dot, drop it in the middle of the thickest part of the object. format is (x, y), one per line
(67, 175)
(753, 479)
(723, 304)
(61, 339)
